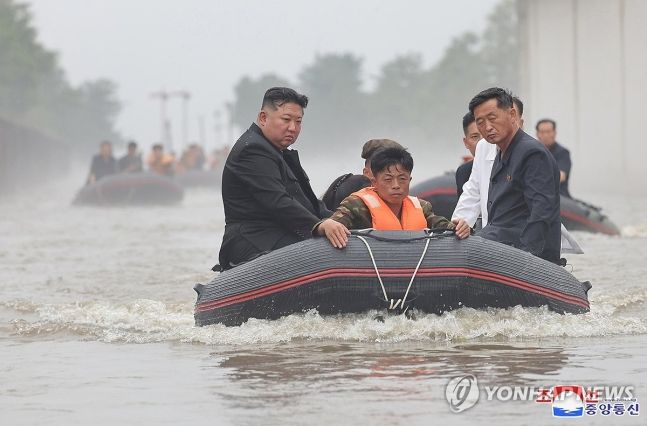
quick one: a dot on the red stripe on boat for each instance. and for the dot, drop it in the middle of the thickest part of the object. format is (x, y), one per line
(367, 272)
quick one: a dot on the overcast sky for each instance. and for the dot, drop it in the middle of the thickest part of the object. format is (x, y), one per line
(206, 46)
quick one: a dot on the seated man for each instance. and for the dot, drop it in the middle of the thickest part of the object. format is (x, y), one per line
(159, 162)
(387, 204)
(472, 137)
(103, 164)
(267, 196)
(346, 184)
(132, 161)
(523, 195)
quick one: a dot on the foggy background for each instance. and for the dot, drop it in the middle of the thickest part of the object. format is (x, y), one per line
(75, 72)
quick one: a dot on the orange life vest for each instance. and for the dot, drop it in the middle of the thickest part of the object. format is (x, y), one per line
(413, 219)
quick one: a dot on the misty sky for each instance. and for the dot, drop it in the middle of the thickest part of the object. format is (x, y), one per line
(206, 46)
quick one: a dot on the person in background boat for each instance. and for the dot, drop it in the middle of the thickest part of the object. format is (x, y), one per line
(386, 205)
(470, 139)
(523, 198)
(160, 162)
(346, 184)
(103, 163)
(473, 196)
(132, 161)
(546, 132)
(218, 157)
(192, 159)
(266, 194)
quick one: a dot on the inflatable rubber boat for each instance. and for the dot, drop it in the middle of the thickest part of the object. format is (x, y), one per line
(131, 189)
(576, 215)
(394, 270)
(199, 178)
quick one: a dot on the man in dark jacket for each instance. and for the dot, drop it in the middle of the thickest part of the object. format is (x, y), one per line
(103, 163)
(523, 199)
(267, 196)
(546, 132)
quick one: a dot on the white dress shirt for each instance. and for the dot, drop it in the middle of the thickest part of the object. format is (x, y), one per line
(473, 200)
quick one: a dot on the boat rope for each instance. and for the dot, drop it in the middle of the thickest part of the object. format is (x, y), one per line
(393, 304)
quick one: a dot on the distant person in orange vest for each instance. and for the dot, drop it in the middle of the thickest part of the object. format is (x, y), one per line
(103, 164)
(386, 205)
(160, 162)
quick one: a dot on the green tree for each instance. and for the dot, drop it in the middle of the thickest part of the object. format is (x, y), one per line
(336, 110)
(35, 93)
(248, 97)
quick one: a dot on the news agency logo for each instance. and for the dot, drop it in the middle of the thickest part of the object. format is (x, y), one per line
(462, 393)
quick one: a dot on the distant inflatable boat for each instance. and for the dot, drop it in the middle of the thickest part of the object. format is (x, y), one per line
(576, 215)
(199, 179)
(393, 270)
(131, 189)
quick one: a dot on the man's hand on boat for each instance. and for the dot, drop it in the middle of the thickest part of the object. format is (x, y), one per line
(462, 229)
(336, 233)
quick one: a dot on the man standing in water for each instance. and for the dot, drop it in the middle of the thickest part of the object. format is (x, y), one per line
(266, 194)
(546, 132)
(523, 197)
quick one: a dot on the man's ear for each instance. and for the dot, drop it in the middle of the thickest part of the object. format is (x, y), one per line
(366, 172)
(373, 180)
(262, 118)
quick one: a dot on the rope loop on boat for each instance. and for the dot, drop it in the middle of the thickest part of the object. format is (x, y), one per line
(394, 304)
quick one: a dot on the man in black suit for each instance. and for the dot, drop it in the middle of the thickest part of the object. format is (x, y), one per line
(523, 198)
(267, 196)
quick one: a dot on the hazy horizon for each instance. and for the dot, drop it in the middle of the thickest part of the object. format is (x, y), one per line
(183, 46)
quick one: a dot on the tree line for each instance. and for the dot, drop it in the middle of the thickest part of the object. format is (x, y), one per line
(35, 93)
(407, 101)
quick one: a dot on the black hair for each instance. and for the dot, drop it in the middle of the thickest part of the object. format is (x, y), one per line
(518, 104)
(158, 146)
(132, 144)
(546, 120)
(503, 98)
(374, 144)
(277, 96)
(104, 142)
(467, 120)
(384, 158)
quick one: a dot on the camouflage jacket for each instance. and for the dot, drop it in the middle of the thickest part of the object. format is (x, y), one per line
(354, 214)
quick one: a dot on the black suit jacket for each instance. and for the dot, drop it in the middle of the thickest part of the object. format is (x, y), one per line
(463, 175)
(523, 200)
(267, 197)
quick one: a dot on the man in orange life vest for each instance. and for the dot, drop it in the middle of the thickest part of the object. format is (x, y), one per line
(387, 204)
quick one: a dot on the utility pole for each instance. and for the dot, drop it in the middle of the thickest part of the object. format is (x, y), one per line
(217, 127)
(185, 96)
(165, 125)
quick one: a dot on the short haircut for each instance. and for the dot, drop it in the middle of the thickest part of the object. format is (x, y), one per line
(518, 104)
(467, 120)
(132, 144)
(503, 98)
(546, 120)
(384, 158)
(158, 146)
(373, 145)
(105, 143)
(277, 96)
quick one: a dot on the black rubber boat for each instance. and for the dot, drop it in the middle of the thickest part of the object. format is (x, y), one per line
(131, 189)
(576, 215)
(199, 179)
(447, 274)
